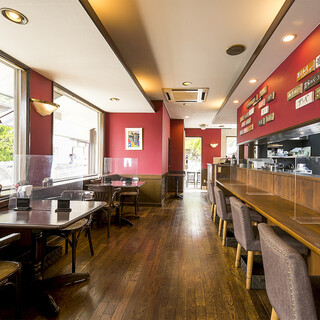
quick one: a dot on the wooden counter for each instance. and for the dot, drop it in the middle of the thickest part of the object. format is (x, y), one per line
(303, 189)
(280, 211)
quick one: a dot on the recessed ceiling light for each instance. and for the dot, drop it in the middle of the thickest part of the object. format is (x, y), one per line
(236, 101)
(187, 117)
(289, 37)
(235, 49)
(253, 81)
(114, 99)
(187, 83)
(186, 104)
(14, 16)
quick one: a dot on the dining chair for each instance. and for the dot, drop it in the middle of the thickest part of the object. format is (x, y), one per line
(191, 178)
(74, 229)
(249, 240)
(127, 194)
(225, 215)
(291, 292)
(10, 272)
(199, 178)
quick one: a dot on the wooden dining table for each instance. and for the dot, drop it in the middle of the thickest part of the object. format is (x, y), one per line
(281, 212)
(42, 217)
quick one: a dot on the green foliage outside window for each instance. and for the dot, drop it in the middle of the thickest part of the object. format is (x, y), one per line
(193, 148)
(6, 143)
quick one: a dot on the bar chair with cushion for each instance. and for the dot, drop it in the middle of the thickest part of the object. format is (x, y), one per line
(249, 240)
(292, 293)
(74, 229)
(128, 194)
(212, 200)
(10, 272)
(225, 215)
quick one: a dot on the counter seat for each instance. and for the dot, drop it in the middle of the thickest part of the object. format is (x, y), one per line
(280, 212)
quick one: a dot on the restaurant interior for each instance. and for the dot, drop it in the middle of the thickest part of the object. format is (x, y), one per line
(159, 159)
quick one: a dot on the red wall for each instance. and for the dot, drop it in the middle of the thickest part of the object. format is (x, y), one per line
(282, 80)
(208, 136)
(40, 127)
(151, 157)
(177, 144)
(165, 137)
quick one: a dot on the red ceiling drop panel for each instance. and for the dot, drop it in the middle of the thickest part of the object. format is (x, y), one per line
(40, 127)
(208, 136)
(282, 80)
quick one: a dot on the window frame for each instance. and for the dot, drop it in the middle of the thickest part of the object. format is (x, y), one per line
(100, 131)
(227, 143)
(21, 116)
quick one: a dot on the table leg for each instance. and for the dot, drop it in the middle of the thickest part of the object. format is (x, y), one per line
(176, 194)
(43, 300)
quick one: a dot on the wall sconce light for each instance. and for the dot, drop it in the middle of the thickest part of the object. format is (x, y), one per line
(214, 145)
(203, 126)
(44, 108)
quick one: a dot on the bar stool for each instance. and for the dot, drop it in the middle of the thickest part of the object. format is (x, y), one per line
(292, 293)
(225, 214)
(247, 239)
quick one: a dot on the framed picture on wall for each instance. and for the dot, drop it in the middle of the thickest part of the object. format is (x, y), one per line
(134, 139)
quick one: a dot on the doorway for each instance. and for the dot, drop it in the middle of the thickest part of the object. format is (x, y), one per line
(193, 160)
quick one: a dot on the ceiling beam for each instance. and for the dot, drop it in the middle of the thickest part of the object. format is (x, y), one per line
(95, 19)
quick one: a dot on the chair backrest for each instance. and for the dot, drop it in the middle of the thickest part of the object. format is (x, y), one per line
(78, 195)
(221, 203)
(287, 280)
(211, 196)
(191, 176)
(242, 225)
(101, 193)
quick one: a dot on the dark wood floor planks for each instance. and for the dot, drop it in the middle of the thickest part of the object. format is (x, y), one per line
(169, 265)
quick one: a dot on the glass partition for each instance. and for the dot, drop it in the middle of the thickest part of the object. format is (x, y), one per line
(259, 177)
(306, 190)
(120, 166)
(36, 183)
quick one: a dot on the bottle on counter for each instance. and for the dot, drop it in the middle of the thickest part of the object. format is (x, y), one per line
(233, 160)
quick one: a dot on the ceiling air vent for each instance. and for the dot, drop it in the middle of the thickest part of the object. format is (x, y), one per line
(186, 95)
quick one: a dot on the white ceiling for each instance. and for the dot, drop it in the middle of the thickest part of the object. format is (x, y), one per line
(163, 43)
(62, 43)
(170, 41)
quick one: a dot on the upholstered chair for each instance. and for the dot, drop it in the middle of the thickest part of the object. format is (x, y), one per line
(225, 215)
(249, 240)
(290, 289)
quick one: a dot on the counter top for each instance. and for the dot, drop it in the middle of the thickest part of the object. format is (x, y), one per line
(280, 212)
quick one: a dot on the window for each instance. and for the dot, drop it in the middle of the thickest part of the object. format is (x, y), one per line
(77, 145)
(13, 104)
(231, 146)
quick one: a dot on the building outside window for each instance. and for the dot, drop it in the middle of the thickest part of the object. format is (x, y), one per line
(13, 104)
(77, 140)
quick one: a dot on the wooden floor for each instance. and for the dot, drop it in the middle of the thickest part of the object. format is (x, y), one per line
(169, 265)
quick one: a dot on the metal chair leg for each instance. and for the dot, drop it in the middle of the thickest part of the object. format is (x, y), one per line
(90, 240)
(74, 244)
